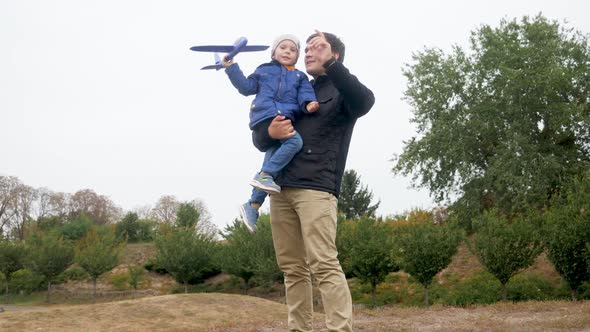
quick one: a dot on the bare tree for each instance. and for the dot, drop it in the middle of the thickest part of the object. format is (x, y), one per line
(165, 209)
(204, 225)
(22, 205)
(61, 204)
(143, 212)
(98, 207)
(42, 206)
(8, 185)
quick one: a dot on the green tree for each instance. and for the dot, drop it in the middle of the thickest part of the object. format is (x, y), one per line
(128, 227)
(344, 242)
(77, 228)
(566, 234)
(266, 269)
(98, 252)
(49, 256)
(250, 256)
(370, 253)
(12, 256)
(355, 199)
(424, 249)
(236, 252)
(187, 216)
(503, 124)
(185, 255)
(50, 223)
(504, 248)
(136, 276)
(134, 229)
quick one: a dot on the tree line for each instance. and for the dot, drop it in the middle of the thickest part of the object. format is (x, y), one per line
(418, 243)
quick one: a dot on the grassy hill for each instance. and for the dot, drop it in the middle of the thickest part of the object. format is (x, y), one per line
(226, 312)
(234, 312)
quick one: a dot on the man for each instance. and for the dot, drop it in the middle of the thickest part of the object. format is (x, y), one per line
(303, 215)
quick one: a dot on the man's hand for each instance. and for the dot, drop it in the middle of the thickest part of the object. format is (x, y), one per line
(225, 62)
(280, 128)
(312, 106)
(322, 47)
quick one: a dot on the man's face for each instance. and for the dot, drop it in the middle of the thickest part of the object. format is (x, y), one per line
(313, 66)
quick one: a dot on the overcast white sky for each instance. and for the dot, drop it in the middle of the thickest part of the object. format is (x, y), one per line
(105, 95)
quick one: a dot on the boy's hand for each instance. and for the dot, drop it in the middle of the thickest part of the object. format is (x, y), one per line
(226, 63)
(312, 106)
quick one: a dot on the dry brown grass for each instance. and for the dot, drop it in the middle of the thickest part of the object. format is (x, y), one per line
(225, 312)
(524, 316)
(191, 312)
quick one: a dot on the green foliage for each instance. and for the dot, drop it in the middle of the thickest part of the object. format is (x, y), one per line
(47, 224)
(355, 200)
(49, 256)
(98, 252)
(77, 228)
(134, 229)
(370, 254)
(26, 281)
(530, 287)
(249, 256)
(567, 233)
(344, 242)
(12, 256)
(152, 265)
(424, 249)
(482, 288)
(187, 216)
(186, 255)
(266, 269)
(503, 247)
(236, 253)
(503, 124)
(120, 281)
(136, 276)
(74, 273)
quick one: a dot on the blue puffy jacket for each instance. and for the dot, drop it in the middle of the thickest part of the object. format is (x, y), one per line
(278, 91)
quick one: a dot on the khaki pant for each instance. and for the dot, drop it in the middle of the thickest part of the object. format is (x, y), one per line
(303, 225)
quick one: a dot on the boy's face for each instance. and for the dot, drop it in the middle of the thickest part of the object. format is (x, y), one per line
(286, 53)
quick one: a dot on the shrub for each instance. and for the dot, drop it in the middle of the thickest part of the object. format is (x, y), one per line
(27, 281)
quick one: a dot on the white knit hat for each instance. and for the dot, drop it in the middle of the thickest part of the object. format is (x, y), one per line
(280, 38)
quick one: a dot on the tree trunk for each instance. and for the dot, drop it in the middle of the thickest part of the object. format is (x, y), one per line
(574, 294)
(504, 292)
(185, 287)
(426, 303)
(48, 299)
(374, 293)
(7, 282)
(93, 290)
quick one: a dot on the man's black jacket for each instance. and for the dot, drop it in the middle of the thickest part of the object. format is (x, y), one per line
(326, 133)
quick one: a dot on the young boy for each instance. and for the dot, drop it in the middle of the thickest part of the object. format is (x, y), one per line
(280, 90)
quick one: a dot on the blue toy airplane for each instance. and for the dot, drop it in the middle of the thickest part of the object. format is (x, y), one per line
(232, 50)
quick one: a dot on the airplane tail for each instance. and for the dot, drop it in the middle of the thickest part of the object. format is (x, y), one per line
(217, 64)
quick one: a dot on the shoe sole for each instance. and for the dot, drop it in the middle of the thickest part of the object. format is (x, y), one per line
(243, 215)
(267, 189)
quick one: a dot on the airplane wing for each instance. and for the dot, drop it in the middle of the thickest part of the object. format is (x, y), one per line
(253, 48)
(228, 48)
(213, 48)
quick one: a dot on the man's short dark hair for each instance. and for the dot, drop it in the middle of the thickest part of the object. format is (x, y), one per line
(335, 42)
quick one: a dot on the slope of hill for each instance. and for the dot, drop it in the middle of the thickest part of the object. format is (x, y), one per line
(232, 313)
(194, 312)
